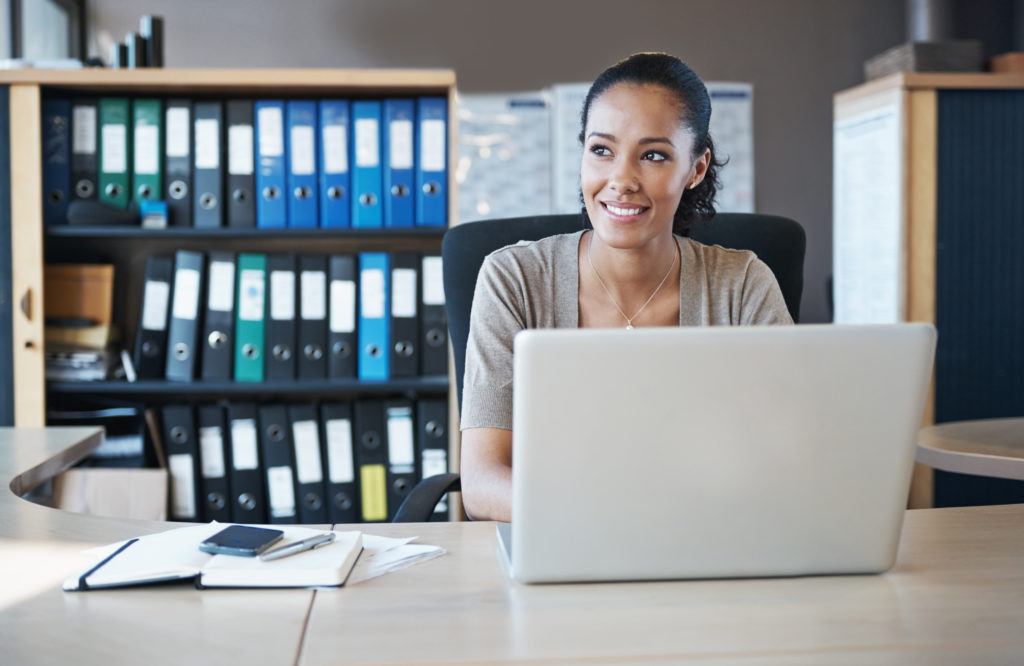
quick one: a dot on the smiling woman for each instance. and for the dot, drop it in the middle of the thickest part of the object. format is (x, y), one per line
(648, 173)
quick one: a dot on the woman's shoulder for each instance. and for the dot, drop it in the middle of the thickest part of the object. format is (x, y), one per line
(720, 262)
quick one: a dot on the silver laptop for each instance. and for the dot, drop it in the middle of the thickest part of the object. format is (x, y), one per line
(722, 452)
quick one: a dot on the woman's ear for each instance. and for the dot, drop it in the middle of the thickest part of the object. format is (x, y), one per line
(700, 169)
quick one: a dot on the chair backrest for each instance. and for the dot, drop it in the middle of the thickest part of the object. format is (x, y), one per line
(778, 241)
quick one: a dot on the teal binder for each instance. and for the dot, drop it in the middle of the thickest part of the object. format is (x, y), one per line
(250, 324)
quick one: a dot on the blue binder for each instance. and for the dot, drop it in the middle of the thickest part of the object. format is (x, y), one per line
(373, 328)
(302, 178)
(432, 162)
(271, 202)
(399, 150)
(335, 200)
(56, 160)
(367, 171)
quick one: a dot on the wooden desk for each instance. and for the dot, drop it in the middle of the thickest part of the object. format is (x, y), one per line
(984, 447)
(955, 596)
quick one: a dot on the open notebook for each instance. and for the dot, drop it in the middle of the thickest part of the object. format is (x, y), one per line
(175, 555)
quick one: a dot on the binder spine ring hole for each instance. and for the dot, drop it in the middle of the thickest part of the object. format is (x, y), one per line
(113, 190)
(302, 192)
(215, 500)
(56, 196)
(434, 429)
(275, 432)
(270, 193)
(178, 189)
(435, 338)
(247, 501)
(403, 348)
(250, 351)
(181, 351)
(373, 351)
(178, 435)
(431, 188)
(399, 190)
(342, 501)
(208, 201)
(240, 195)
(313, 352)
(371, 440)
(341, 349)
(150, 349)
(282, 352)
(85, 189)
(145, 191)
(368, 199)
(313, 501)
(335, 193)
(217, 339)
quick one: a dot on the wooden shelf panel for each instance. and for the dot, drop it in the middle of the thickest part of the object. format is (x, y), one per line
(164, 391)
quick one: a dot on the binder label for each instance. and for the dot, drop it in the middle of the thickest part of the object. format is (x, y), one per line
(403, 292)
(186, 293)
(250, 295)
(240, 151)
(433, 281)
(282, 295)
(434, 462)
(400, 445)
(401, 144)
(340, 468)
(343, 306)
(211, 452)
(373, 482)
(367, 143)
(115, 149)
(183, 484)
(177, 132)
(303, 154)
(243, 444)
(147, 149)
(222, 286)
(271, 140)
(83, 141)
(371, 285)
(314, 295)
(432, 145)
(154, 305)
(307, 452)
(282, 491)
(207, 143)
(335, 149)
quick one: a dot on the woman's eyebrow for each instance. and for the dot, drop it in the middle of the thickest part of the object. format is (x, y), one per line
(642, 142)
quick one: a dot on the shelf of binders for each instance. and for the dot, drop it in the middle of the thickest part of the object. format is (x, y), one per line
(222, 233)
(165, 391)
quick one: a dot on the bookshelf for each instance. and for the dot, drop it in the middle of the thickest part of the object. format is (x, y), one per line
(927, 206)
(34, 244)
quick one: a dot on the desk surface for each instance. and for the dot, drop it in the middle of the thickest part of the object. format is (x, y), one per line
(984, 447)
(956, 595)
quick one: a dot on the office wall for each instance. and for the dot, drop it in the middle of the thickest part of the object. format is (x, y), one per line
(797, 53)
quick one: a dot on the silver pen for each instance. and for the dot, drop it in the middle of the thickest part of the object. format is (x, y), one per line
(308, 543)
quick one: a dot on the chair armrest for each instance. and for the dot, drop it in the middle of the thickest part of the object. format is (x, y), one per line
(419, 504)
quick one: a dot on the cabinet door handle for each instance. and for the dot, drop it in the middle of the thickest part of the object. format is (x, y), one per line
(26, 304)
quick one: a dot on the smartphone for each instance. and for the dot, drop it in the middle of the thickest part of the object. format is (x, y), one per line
(241, 540)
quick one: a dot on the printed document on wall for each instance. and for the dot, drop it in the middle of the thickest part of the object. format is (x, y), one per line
(504, 165)
(732, 129)
(867, 217)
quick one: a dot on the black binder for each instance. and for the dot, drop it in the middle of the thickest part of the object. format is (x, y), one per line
(214, 489)
(208, 162)
(401, 440)
(309, 468)
(312, 325)
(278, 463)
(280, 321)
(241, 180)
(341, 338)
(178, 161)
(84, 149)
(339, 459)
(432, 445)
(433, 318)
(218, 337)
(371, 449)
(405, 324)
(246, 481)
(182, 450)
(150, 356)
(184, 328)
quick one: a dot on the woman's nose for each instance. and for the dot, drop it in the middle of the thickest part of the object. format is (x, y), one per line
(624, 179)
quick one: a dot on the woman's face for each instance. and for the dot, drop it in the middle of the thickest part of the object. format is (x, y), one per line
(637, 161)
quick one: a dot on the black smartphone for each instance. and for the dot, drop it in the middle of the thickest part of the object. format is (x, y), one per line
(241, 540)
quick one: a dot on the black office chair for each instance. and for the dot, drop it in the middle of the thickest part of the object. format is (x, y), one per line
(778, 241)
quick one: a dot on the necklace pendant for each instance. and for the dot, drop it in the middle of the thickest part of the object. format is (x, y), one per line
(629, 327)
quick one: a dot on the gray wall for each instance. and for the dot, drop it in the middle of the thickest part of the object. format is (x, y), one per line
(797, 53)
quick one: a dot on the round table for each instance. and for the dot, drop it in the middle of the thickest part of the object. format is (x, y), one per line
(984, 447)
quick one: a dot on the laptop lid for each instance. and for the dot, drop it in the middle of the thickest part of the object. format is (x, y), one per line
(668, 453)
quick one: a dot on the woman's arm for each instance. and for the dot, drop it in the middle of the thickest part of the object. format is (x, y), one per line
(486, 462)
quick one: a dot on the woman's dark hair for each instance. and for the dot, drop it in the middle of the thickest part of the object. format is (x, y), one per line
(673, 75)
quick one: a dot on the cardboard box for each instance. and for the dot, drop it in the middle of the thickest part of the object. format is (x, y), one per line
(83, 292)
(952, 56)
(115, 492)
(1008, 63)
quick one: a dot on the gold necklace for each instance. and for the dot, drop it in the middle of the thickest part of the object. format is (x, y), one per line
(629, 320)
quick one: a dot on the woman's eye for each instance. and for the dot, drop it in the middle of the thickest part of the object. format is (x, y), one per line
(599, 150)
(655, 156)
